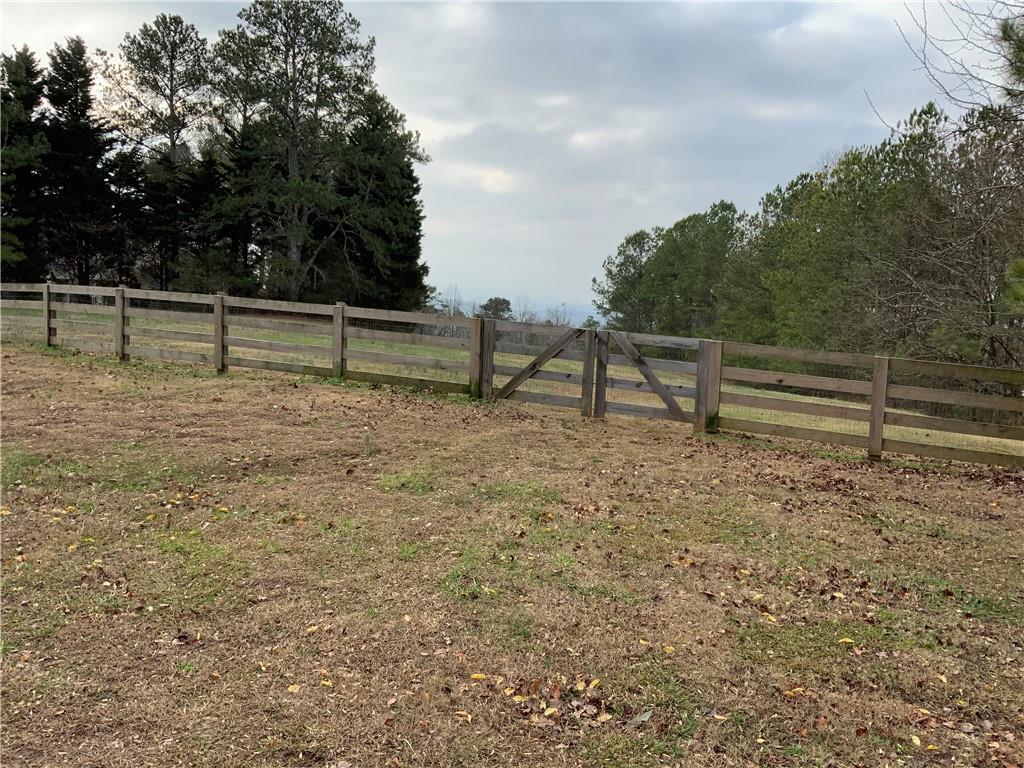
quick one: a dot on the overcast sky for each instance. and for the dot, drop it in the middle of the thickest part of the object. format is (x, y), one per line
(558, 128)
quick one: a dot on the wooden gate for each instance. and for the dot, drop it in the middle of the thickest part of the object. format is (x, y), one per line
(631, 358)
(558, 348)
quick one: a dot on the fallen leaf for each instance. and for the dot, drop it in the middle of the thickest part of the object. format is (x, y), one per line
(294, 688)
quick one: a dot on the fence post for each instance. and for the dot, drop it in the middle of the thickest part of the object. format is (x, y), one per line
(218, 333)
(119, 322)
(338, 342)
(601, 376)
(587, 389)
(46, 313)
(876, 426)
(709, 386)
(476, 338)
(488, 338)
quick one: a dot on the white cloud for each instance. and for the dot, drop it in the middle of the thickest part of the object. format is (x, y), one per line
(555, 100)
(463, 16)
(434, 130)
(490, 179)
(601, 138)
(792, 111)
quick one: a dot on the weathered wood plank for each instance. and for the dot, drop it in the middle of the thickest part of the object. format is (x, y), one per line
(339, 339)
(673, 366)
(180, 297)
(538, 362)
(542, 398)
(953, 454)
(85, 345)
(119, 326)
(645, 411)
(22, 287)
(419, 339)
(954, 397)
(656, 340)
(276, 346)
(530, 350)
(135, 331)
(36, 304)
(70, 308)
(587, 382)
(23, 321)
(159, 353)
(709, 386)
(311, 327)
(827, 410)
(563, 377)
(418, 318)
(957, 370)
(876, 423)
(476, 326)
(601, 376)
(412, 361)
(370, 377)
(797, 380)
(848, 359)
(957, 426)
(513, 326)
(638, 385)
(194, 318)
(645, 370)
(47, 314)
(220, 349)
(276, 305)
(800, 433)
(81, 290)
(81, 325)
(277, 365)
(487, 359)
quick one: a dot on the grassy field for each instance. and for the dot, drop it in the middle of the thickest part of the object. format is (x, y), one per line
(15, 328)
(265, 570)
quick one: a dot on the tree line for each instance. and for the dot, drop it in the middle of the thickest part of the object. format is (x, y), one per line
(266, 163)
(913, 246)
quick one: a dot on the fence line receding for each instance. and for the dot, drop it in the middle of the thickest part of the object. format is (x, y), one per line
(879, 404)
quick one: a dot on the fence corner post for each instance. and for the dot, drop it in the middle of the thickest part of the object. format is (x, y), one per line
(488, 338)
(119, 322)
(338, 342)
(601, 375)
(46, 313)
(587, 388)
(876, 426)
(476, 357)
(709, 386)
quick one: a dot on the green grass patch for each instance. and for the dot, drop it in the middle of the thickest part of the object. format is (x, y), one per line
(18, 467)
(419, 482)
(407, 551)
(529, 497)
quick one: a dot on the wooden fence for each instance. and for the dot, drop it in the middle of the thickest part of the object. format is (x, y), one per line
(874, 403)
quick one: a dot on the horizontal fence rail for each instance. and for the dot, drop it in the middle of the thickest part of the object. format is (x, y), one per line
(941, 410)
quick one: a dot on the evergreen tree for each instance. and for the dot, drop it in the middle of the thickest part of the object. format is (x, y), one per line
(78, 232)
(24, 148)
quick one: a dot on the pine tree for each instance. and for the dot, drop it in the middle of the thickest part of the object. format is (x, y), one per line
(78, 231)
(24, 147)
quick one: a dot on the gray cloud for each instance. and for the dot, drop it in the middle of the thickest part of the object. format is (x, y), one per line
(557, 128)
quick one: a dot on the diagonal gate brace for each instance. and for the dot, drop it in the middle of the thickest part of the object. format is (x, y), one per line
(648, 373)
(539, 362)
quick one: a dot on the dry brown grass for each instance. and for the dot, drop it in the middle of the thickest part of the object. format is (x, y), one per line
(256, 570)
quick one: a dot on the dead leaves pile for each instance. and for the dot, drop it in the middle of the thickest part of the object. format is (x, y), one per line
(561, 703)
